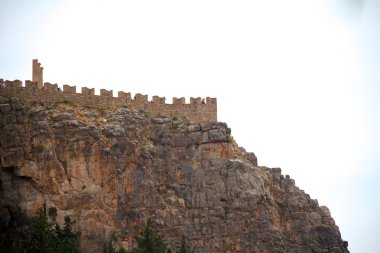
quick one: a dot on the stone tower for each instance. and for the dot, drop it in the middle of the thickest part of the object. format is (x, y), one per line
(37, 73)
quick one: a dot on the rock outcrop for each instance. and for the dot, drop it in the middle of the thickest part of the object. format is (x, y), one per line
(112, 171)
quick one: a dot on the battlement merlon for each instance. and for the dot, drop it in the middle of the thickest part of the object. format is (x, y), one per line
(179, 101)
(69, 89)
(106, 93)
(88, 91)
(51, 87)
(158, 100)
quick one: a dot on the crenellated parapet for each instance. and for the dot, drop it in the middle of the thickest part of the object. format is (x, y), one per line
(13, 84)
(35, 91)
(197, 111)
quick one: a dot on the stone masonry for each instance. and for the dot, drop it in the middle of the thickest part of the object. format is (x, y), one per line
(37, 73)
(36, 91)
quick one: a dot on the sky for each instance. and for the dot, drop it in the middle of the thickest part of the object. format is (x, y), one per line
(298, 81)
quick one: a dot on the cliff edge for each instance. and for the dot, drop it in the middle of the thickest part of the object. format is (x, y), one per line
(113, 170)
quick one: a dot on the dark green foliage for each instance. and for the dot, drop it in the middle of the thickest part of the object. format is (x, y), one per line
(149, 241)
(40, 236)
(32, 113)
(108, 248)
(122, 250)
(39, 148)
(184, 247)
(50, 107)
(175, 125)
(52, 212)
(9, 243)
(68, 241)
(70, 103)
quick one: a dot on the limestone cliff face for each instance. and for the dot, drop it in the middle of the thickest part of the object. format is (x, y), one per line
(112, 171)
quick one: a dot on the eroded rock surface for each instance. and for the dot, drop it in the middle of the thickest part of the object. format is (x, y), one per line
(112, 171)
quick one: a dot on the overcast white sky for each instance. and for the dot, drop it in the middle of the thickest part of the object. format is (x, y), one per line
(297, 80)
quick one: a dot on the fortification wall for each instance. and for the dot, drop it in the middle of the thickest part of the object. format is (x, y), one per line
(196, 111)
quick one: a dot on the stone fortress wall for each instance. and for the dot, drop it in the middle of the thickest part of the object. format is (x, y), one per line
(37, 91)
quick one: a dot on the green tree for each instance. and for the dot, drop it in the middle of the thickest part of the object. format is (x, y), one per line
(108, 248)
(123, 250)
(68, 241)
(9, 242)
(39, 235)
(184, 247)
(53, 213)
(149, 241)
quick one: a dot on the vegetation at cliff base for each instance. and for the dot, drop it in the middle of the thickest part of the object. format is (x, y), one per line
(149, 241)
(39, 235)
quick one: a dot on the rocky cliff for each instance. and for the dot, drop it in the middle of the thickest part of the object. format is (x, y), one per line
(113, 170)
